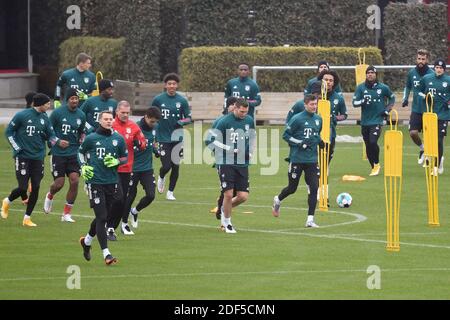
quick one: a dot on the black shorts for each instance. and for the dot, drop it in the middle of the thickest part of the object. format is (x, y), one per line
(234, 178)
(371, 134)
(145, 178)
(171, 152)
(312, 172)
(64, 166)
(416, 122)
(103, 194)
(28, 169)
(442, 125)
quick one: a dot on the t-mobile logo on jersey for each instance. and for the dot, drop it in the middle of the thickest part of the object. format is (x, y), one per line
(165, 113)
(307, 132)
(31, 130)
(100, 152)
(65, 129)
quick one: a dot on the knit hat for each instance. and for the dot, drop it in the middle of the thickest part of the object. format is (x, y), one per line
(40, 99)
(441, 63)
(316, 87)
(71, 92)
(105, 84)
(371, 68)
(322, 62)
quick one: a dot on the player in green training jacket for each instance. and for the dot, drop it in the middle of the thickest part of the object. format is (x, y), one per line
(69, 124)
(376, 101)
(78, 78)
(321, 66)
(100, 154)
(175, 114)
(233, 143)
(438, 84)
(244, 87)
(93, 106)
(143, 166)
(418, 104)
(27, 134)
(303, 136)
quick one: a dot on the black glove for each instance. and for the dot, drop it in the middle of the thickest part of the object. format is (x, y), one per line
(405, 103)
(385, 114)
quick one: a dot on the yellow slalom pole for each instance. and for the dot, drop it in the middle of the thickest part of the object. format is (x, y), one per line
(360, 69)
(324, 110)
(393, 176)
(98, 77)
(431, 153)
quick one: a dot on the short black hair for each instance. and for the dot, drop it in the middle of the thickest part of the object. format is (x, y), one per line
(171, 77)
(29, 98)
(330, 72)
(241, 102)
(153, 112)
(309, 98)
(230, 101)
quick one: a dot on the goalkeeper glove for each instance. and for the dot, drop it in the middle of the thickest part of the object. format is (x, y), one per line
(110, 161)
(82, 95)
(87, 172)
(57, 104)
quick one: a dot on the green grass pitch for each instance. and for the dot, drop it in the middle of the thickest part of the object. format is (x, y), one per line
(178, 252)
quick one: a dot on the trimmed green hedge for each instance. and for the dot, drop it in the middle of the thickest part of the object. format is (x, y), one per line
(109, 55)
(209, 68)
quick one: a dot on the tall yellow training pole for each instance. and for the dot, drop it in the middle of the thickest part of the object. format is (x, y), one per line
(324, 110)
(431, 153)
(98, 77)
(393, 162)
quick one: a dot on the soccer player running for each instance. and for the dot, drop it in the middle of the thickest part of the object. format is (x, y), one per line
(27, 133)
(78, 78)
(233, 143)
(302, 133)
(244, 87)
(69, 124)
(321, 66)
(338, 107)
(99, 155)
(418, 104)
(438, 84)
(93, 106)
(231, 105)
(175, 114)
(143, 166)
(376, 101)
(134, 137)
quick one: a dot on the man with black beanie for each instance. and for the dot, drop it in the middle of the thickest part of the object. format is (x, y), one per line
(96, 105)
(376, 101)
(321, 66)
(27, 133)
(69, 124)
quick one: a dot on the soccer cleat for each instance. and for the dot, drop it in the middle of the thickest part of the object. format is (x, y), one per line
(111, 235)
(161, 185)
(110, 260)
(48, 203)
(311, 224)
(67, 218)
(134, 220)
(230, 229)
(5, 208)
(441, 166)
(86, 249)
(126, 230)
(170, 196)
(28, 223)
(375, 171)
(421, 158)
(276, 207)
(214, 210)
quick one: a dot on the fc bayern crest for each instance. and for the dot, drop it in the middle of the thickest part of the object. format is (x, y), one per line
(247, 88)
(178, 105)
(317, 122)
(379, 91)
(111, 109)
(78, 122)
(128, 130)
(115, 143)
(86, 80)
(445, 84)
(42, 121)
(336, 101)
(247, 127)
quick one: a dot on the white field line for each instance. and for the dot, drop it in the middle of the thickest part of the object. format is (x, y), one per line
(305, 234)
(228, 274)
